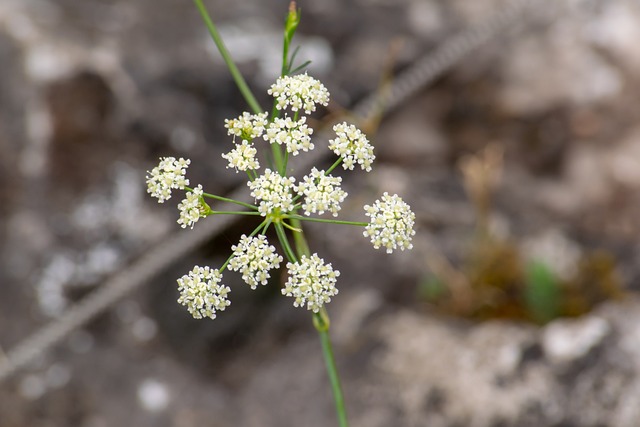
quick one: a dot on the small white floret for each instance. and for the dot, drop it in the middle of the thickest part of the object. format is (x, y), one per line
(248, 126)
(202, 293)
(353, 146)
(391, 223)
(169, 174)
(300, 92)
(274, 192)
(321, 193)
(192, 208)
(294, 135)
(311, 282)
(254, 257)
(243, 157)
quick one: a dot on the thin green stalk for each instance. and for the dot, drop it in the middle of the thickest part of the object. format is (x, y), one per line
(321, 322)
(237, 77)
(333, 166)
(283, 169)
(225, 199)
(291, 227)
(266, 223)
(330, 221)
(224, 266)
(302, 247)
(233, 213)
(284, 241)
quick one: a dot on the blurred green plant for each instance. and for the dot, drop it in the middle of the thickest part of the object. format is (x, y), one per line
(495, 281)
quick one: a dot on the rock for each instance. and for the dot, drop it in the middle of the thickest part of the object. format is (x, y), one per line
(512, 375)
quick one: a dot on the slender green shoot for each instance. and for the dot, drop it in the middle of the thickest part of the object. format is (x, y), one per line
(330, 221)
(225, 199)
(235, 73)
(234, 213)
(284, 241)
(321, 322)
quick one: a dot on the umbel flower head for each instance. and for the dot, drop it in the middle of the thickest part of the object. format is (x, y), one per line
(248, 126)
(294, 135)
(168, 175)
(273, 190)
(254, 257)
(311, 282)
(299, 92)
(192, 208)
(321, 193)
(353, 146)
(391, 223)
(243, 157)
(201, 292)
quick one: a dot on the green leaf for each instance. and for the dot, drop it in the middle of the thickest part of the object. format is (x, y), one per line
(542, 292)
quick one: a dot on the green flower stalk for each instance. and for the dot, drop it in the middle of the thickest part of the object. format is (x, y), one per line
(283, 203)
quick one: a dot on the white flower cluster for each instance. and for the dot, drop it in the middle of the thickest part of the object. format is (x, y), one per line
(391, 223)
(254, 257)
(248, 126)
(169, 174)
(295, 135)
(192, 208)
(311, 282)
(321, 193)
(201, 292)
(243, 157)
(274, 192)
(353, 146)
(299, 92)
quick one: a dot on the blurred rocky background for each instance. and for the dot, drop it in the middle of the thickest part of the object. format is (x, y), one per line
(517, 307)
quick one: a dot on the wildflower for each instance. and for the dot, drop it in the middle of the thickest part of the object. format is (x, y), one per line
(353, 146)
(168, 175)
(299, 92)
(192, 208)
(247, 126)
(391, 223)
(202, 293)
(311, 282)
(322, 193)
(273, 191)
(254, 257)
(295, 136)
(243, 157)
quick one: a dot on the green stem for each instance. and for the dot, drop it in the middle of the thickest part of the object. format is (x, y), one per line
(302, 246)
(266, 223)
(283, 169)
(330, 221)
(333, 166)
(225, 199)
(284, 241)
(233, 213)
(321, 322)
(237, 77)
(276, 152)
(292, 228)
